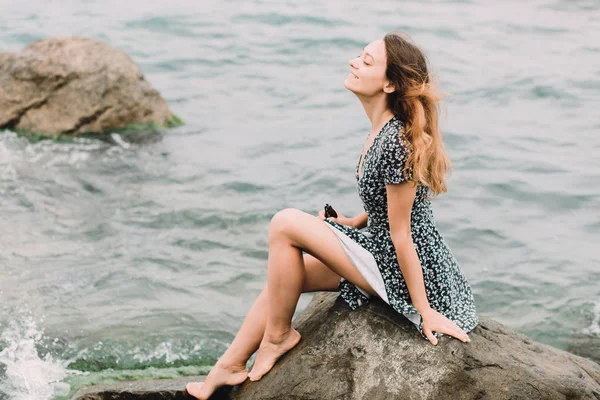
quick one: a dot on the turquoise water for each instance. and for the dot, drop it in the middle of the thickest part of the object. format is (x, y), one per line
(136, 260)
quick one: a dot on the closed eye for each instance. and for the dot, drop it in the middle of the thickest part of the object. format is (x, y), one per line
(365, 61)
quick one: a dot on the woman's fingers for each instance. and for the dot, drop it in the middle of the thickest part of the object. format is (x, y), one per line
(459, 334)
(456, 332)
(435, 321)
(430, 336)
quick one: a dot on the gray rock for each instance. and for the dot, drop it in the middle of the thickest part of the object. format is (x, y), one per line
(73, 85)
(375, 353)
(163, 389)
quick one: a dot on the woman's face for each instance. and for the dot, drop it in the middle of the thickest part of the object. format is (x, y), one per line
(367, 70)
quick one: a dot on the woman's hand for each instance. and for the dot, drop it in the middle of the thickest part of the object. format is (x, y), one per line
(340, 218)
(433, 321)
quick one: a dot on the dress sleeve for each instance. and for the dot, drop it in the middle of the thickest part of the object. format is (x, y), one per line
(394, 154)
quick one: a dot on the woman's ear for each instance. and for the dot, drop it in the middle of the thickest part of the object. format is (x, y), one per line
(388, 87)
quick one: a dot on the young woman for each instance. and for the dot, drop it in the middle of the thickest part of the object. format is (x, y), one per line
(401, 258)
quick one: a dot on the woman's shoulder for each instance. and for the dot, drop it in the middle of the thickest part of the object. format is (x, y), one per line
(395, 140)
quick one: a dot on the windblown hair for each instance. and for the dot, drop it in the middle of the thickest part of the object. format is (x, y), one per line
(416, 101)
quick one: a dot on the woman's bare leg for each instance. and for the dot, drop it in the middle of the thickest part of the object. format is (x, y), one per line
(290, 232)
(230, 369)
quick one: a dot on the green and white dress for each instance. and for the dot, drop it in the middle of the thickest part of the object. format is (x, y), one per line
(373, 252)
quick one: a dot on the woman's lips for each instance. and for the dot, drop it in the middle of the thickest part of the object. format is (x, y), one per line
(355, 77)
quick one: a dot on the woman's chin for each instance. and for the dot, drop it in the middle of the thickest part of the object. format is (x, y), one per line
(348, 85)
(353, 90)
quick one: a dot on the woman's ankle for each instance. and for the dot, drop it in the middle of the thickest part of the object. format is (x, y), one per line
(234, 365)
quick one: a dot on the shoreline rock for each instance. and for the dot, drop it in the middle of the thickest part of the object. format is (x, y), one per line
(373, 352)
(71, 85)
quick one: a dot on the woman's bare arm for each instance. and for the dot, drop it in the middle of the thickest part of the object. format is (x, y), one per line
(400, 199)
(360, 221)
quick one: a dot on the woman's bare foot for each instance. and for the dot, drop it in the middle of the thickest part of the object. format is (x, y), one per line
(218, 376)
(269, 352)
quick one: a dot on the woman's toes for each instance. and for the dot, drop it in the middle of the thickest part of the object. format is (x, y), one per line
(193, 389)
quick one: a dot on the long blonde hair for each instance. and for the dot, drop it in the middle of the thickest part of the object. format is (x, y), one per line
(416, 102)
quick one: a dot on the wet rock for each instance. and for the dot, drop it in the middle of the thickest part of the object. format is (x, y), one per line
(163, 389)
(585, 345)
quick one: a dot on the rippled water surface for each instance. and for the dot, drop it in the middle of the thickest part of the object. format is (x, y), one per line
(138, 260)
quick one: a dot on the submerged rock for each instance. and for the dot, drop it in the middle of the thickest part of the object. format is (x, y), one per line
(585, 345)
(71, 85)
(375, 353)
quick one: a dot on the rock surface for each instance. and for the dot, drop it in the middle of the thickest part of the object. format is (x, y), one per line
(72, 85)
(162, 389)
(375, 353)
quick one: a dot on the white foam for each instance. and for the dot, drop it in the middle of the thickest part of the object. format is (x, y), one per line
(29, 376)
(594, 328)
(163, 350)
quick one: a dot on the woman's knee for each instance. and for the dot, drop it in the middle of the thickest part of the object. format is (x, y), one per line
(279, 222)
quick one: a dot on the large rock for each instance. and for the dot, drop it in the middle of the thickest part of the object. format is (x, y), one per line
(74, 85)
(375, 353)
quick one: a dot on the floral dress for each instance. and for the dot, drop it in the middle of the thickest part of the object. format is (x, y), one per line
(447, 289)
